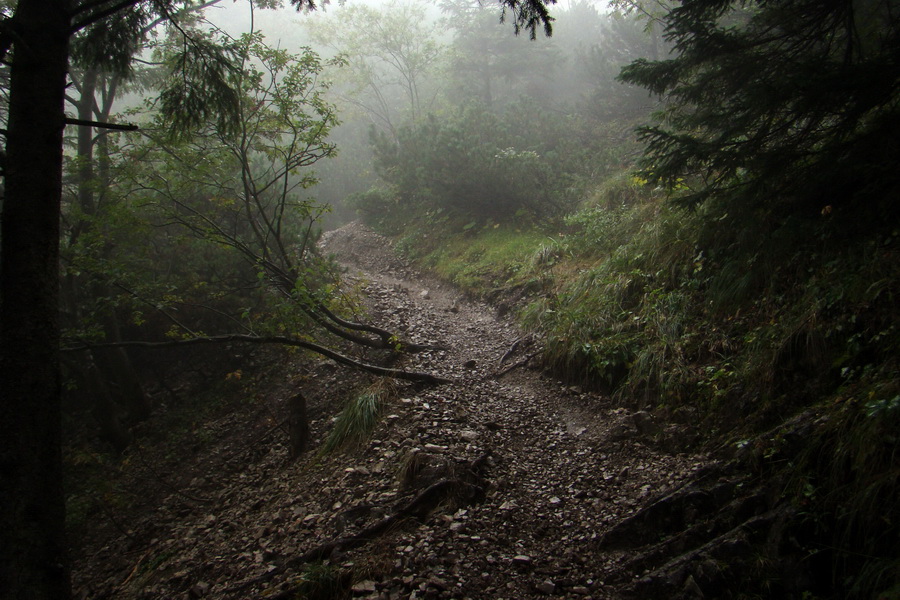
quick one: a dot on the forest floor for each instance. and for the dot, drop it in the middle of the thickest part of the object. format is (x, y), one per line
(501, 484)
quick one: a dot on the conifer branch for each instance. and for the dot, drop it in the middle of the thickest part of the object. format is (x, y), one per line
(100, 14)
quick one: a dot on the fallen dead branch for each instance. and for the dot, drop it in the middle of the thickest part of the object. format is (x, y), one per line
(516, 365)
(273, 339)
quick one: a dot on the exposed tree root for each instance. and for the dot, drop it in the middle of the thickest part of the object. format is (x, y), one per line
(522, 363)
(419, 507)
(527, 340)
(711, 569)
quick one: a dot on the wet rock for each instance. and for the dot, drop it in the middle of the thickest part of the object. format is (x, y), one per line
(363, 587)
(469, 435)
(580, 590)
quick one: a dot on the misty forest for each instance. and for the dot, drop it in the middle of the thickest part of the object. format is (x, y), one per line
(450, 299)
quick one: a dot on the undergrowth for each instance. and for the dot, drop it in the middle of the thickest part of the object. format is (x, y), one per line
(488, 259)
(97, 479)
(848, 482)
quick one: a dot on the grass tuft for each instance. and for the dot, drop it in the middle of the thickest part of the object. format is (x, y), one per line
(320, 581)
(359, 418)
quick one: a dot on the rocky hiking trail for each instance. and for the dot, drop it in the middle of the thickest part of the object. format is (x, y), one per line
(505, 483)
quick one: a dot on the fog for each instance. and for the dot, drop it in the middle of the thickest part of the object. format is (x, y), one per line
(446, 56)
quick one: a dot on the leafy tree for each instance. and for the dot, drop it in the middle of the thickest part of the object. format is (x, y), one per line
(243, 190)
(790, 107)
(489, 65)
(391, 53)
(90, 212)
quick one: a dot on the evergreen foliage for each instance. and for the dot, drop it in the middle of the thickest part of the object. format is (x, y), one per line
(487, 65)
(792, 106)
(201, 87)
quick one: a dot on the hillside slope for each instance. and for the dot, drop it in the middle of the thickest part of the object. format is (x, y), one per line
(509, 479)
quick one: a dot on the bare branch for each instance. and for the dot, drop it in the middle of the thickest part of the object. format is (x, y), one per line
(271, 339)
(100, 125)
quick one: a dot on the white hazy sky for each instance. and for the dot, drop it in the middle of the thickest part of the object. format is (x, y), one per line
(234, 16)
(285, 25)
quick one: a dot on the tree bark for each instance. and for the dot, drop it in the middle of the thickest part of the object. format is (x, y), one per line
(32, 509)
(298, 425)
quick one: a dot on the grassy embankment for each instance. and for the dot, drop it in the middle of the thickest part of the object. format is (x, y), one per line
(748, 328)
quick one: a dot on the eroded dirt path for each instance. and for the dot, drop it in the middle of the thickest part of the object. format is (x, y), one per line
(565, 464)
(560, 466)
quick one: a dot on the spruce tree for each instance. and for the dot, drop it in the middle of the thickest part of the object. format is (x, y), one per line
(792, 107)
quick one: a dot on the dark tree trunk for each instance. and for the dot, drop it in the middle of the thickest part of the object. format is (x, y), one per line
(118, 370)
(298, 425)
(114, 363)
(105, 409)
(32, 509)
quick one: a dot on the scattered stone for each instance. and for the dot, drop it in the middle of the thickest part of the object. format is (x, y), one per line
(438, 583)
(546, 587)
(580, 590)
(363, 587)
(199, 589)
(469, 435)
